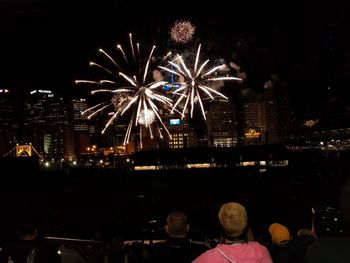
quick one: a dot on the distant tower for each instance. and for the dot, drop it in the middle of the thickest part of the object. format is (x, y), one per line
(221, 124)
(79, 127)
(45, 119)
(261, 120)
(7, 122)
(253, 122)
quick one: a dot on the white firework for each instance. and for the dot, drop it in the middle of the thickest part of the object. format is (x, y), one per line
(140, 95)
(196, 83)
(147, 117)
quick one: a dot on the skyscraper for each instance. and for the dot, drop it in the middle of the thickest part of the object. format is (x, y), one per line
(7, 122)
(261, 119)
(79, 126)
(221, 124)
(45, 119)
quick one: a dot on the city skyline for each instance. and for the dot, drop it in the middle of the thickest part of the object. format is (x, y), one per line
(48, 44)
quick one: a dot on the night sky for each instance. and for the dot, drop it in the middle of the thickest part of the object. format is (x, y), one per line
(48, 43)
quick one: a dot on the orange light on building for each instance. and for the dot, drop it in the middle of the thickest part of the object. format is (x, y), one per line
(252, 133)
(23, 150)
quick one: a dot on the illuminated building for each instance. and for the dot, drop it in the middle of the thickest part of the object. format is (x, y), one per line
(182, 136)
(261, 120)
(259, 158)
(7, 123)
(221, 124)
(45, 119)
(79, 127)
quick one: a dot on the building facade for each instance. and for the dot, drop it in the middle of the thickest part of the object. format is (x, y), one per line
(45, 121)
(221, 124)
(261, 121)
(7, 122)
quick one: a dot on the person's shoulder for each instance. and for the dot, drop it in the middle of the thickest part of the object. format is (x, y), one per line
(199, 245)
(207, 256)
(256, 244)
(159, 244)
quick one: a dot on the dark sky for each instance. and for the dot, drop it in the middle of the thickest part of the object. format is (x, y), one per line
(48, 43)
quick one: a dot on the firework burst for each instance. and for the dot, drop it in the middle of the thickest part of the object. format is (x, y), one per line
(182, 31)
(195, 83)
(138, 93)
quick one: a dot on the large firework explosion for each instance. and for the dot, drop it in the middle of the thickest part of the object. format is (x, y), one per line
(196, 83)
(133, 88)
(182, 31)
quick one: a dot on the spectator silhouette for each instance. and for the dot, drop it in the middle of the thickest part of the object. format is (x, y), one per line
(178, 247)
(70, 255)
(28, 248)
(235, 246)
(287, 249)
(330, 246)
(116, 251)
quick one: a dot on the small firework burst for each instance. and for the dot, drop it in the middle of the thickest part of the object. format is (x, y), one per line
(182, 31)
(147, 117)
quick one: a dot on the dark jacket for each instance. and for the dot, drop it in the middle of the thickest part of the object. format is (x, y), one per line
(292, 252)
(176, 250)
(37, 250)
(329, 250)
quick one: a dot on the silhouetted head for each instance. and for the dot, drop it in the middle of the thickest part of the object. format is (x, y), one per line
(27, 231)
(177, 225)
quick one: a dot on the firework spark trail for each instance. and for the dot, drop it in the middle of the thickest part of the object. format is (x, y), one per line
(166, 56)
(132, 47)
(122, 51)
(140, 95)
(147, 64)
(109, 57)
(87, 81)
(195, 82)
(92, 108)
(138, 50)
(97, 111)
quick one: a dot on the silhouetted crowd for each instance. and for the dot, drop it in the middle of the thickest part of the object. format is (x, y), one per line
(327, 240)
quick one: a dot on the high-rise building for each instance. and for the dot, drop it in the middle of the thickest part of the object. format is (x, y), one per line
(221, 124)
(271, 126)
(253, 122)
(261, 120)
(7, 122)
(79, 126)
(45, 119)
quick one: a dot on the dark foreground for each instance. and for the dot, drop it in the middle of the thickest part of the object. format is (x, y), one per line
(80, 203)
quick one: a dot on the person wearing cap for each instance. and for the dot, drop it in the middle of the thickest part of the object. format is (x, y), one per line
(280, 235)
(287, 249)
(235, 246)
